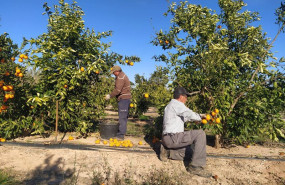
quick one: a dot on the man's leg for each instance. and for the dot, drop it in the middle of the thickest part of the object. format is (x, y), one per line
(123, 107)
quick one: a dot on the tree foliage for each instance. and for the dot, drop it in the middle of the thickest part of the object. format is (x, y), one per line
(229, 65)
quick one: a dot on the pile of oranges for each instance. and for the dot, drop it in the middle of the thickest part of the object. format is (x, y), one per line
(212, 118)
(117, 143)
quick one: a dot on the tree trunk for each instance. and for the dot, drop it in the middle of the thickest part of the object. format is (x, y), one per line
(217, 141)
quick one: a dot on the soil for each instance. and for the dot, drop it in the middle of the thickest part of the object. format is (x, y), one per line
(38, 160)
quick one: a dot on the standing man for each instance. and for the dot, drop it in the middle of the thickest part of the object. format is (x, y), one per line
(175, 139)
(122, 92)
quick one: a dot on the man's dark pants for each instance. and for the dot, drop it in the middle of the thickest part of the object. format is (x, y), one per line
(178, 143)
(123, 108)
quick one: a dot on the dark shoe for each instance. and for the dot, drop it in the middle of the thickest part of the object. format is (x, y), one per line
(164, 153)
(198, 170)
(120, 137)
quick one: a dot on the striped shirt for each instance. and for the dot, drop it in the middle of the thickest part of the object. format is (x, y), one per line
(122, 87)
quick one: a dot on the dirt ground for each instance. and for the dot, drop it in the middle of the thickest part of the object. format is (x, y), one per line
(36, 160)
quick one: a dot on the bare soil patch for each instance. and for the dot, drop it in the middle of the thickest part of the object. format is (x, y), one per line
(36, 160)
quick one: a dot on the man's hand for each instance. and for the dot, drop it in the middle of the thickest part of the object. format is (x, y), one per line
(202, 115)
(107, 97)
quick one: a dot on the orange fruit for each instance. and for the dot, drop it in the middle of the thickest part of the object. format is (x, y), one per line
(82, 69)
(218, 120)
(18, 70)
(13, 59)
(208, 117)
(3, 140)
(34, 124)
(7, 96)
(22, 55)
(26, 57)
(105, 142)
(97, 141)
(213, 114)
(146, 95)
(10, 87)
(5, 88)
(160, 41)
(32, 107)
(97, 71)
(217, 111)
(204, 121)
(20, 74)
(11, 96)
(140, 143)
(219, 26)
(65, 86)
(131, 105)
(247, 146)
(125, 61)
(70, 138)
(131, 63)
(166, 42)
(7, 73)
(20, 60)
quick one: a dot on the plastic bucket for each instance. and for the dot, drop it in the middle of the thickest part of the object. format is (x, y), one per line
(108, 130)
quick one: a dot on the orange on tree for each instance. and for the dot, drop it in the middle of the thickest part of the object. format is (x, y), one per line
(160, 41)
(10, 87)
(11, 96)
(131, 105)
(5, 88)
(219, 26)
(82, 69)
(166, 42)
(18, 70)
(213, 114)
(208, 117)
(217, 111)
(65, 86)
(126, 62)
(13, 59)
(218, 120)
(131, 63)
(146, 95)
(7, 73)
(97, 71)
(7, 96)
(21, 75)
(204, 121)
(22, 55)
(20, 60)
(26, 57)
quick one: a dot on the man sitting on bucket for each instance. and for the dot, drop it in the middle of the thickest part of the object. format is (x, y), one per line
(175, 140)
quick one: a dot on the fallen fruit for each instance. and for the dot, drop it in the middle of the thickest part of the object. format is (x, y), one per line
(140, 143)
(281, 153)
(70, 138)
(97, 141)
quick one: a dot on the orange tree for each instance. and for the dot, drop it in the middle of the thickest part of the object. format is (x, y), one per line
(227, 63)
(150, 92)
(14, 89)
(73, 64)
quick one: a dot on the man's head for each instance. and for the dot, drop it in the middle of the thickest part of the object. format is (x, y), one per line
(116, 70)
(180, 94)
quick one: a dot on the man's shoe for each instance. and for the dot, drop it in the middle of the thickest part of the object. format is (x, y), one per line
(198, 170)
(164, 153)
(120, 137)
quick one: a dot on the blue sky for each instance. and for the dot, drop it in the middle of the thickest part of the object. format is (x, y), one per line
(133, 22)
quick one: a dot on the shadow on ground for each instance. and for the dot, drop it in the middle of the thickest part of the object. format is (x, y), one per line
(49, 173)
